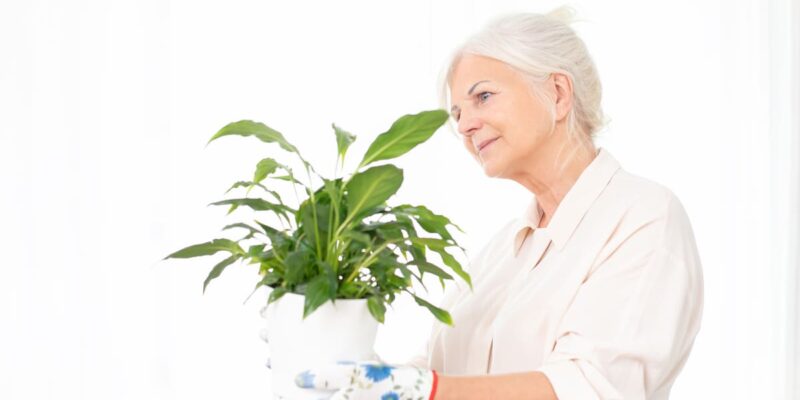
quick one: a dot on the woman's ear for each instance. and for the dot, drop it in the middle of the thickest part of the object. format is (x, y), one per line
(563, 90)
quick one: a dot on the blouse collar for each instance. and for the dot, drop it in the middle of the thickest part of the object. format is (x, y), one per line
(594, 178)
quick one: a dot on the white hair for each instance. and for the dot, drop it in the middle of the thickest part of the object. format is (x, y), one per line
(536, 45)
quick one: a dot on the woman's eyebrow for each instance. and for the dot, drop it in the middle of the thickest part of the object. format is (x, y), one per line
(473, 87)
(469, 92)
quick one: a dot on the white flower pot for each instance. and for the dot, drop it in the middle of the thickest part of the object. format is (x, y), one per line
(341, 331)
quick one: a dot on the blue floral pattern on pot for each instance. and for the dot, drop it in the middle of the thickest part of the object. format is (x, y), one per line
(378, 372)
(369, 380)
(304, 379)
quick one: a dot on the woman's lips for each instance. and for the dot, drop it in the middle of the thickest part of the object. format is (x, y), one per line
(486, 144)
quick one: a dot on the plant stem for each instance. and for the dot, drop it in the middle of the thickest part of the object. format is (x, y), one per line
(367, 261)
(333, 225)
(361, 291)
(341, 190)
(352, 274)
(313, 206)
(330, 223)
(294, 185)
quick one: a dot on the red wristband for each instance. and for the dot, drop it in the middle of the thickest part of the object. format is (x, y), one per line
(435, 384)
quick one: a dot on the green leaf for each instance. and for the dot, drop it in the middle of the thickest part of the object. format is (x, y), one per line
(391, 231)
(333, 190)
(322, 226)
(256, 204)
(268, 229)
(451, 262)
(218, 269)
(405, 221)
(278, 239)
(405, 133)
(287, 178)
(326, 270)
(408, 274)
(372, 187)
(376, 308)
(242, 225)
(343, 140)
(438, 246)
(398, 282)
(269, 279)
(257, 129)
(246, 184)
(250, 185)
(207, 249)
(255, 250)
(258, 285)
(357, 236)
(425, 266)
(418, 252)
(348, 290)
(276, 294)
(295, 266)
(317, 293)
(437, 312)
(432, 243)
(265, 167)
(428, 220)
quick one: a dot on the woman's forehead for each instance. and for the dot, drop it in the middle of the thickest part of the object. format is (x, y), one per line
(472, 69)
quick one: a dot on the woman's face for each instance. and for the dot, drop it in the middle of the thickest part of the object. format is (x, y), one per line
(501, 122)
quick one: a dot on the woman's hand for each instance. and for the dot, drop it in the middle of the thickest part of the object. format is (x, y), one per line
(370, 380)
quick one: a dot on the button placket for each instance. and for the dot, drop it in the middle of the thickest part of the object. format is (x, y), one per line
(534, 251)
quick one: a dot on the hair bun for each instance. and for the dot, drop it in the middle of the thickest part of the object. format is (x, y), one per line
(565, 14)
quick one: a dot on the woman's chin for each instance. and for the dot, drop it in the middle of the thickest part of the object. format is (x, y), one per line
(491, 169)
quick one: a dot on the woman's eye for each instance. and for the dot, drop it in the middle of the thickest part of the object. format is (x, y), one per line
(481, 96)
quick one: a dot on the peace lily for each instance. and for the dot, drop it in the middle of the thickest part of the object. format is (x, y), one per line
(343, 240)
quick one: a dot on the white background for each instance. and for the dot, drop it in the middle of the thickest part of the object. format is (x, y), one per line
(106, 106)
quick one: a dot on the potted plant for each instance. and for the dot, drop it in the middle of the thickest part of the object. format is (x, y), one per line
(345, 253)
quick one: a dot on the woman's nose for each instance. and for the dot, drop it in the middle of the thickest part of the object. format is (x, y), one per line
(467, 124)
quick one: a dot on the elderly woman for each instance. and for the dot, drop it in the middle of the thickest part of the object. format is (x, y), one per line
(596, 291)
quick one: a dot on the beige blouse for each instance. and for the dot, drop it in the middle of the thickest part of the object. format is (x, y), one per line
(606, 301)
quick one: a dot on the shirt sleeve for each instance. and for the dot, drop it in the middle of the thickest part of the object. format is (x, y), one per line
(632, 323)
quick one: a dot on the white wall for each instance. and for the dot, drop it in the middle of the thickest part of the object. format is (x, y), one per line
(106, 106)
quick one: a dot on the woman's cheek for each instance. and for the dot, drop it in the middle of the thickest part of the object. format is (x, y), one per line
(468, 145)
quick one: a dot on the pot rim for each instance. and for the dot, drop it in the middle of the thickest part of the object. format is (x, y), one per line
(337, 300)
